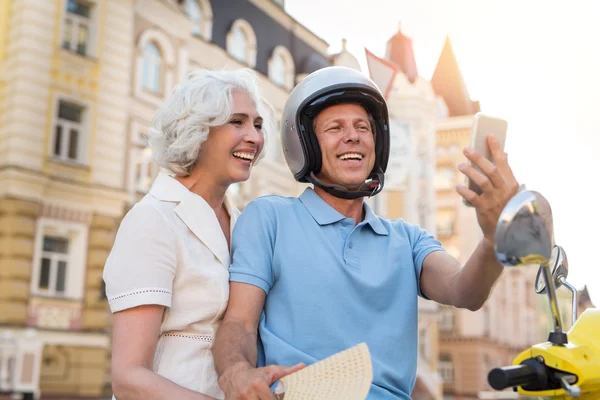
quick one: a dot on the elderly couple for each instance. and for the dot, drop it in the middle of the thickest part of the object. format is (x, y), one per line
(209, 303)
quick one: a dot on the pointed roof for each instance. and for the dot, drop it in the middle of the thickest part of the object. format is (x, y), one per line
(584, 297)
(400, 52)
(447, 82)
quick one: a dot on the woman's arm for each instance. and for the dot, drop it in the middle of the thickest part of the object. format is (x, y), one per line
(135, 334)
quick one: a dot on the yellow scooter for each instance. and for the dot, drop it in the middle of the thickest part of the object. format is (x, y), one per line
(567, 365)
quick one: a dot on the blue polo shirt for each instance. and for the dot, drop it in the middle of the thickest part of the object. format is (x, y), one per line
(331, 285)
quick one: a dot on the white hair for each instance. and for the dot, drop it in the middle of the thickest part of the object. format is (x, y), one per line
(203, 100)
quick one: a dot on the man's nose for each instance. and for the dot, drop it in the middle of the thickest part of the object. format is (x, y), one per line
(352, 135)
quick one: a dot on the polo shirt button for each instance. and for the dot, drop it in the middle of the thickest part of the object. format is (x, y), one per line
(350, 244)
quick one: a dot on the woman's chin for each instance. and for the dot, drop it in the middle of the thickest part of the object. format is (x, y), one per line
(240, 177)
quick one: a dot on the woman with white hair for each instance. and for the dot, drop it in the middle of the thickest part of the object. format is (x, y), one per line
(167, 279)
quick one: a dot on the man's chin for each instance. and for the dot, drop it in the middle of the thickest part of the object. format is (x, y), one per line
(353, 185)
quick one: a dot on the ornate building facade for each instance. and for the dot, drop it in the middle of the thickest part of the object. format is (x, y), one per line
(79, 83)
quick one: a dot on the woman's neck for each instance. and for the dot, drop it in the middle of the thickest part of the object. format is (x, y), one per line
(207, 186)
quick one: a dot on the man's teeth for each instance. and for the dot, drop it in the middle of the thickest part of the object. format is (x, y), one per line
(353, 156)
(245, 156)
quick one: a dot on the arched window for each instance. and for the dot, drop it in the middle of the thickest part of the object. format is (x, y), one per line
(238, 45)
(241, 42)
(151, 68)
(277, 70)
(194, 13)
(155, 65)
(281, 67)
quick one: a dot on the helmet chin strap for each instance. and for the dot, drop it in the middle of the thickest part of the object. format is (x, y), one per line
(370, 188)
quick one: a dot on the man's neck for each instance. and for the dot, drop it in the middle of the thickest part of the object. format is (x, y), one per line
(350, 208)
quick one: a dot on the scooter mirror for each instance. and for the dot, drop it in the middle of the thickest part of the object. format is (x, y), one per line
(524, 234)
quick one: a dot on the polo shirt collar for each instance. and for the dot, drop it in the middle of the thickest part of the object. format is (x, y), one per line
(372, 219)
(324, 214)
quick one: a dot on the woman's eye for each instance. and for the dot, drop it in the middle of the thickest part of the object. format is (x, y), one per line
(236, 122)
(258, 127)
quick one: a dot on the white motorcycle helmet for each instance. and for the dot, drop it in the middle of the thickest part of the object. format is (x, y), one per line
(319, 90)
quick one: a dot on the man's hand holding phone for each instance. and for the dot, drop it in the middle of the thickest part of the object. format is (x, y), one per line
(496, 181)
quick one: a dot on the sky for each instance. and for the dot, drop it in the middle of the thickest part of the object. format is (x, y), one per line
(534, 63)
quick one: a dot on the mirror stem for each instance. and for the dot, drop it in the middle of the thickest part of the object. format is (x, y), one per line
(557, 337)
(573, 290)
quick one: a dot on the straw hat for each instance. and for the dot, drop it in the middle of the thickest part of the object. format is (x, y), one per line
(346, 375)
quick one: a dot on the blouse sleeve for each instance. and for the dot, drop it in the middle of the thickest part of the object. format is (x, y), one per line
(142, 263)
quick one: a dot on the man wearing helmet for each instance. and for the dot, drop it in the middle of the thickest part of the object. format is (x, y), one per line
(314, 275)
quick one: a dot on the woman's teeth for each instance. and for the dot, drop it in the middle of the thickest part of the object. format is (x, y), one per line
(244, 156)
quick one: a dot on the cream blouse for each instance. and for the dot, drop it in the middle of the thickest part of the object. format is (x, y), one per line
(170, 251)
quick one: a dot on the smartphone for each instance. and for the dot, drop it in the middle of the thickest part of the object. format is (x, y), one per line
(483, 125)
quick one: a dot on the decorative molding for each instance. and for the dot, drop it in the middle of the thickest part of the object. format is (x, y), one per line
(53, 314)
(61, 213)
(65, 338)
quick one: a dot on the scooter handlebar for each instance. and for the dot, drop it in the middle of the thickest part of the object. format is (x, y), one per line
(515, 375)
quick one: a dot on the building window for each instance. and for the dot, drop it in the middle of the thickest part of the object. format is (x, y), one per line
(59, 259)
(194, 13)
(142, 169)
(446, 368)
(277, 70)
(155, 65)
(241, 42)
(69, 131)
(238, 45)
(151, 68)
(200, 15)
(445, 178)
(53, 266)
(446, 319)
(77, 27)
(144, 172)
(444, 223)
(281, 67)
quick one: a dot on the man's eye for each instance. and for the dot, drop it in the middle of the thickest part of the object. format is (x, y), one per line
(364, 128)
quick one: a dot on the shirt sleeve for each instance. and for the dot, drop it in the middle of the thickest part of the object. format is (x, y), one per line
(423, 244)
(252, 246)
(142, 263)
